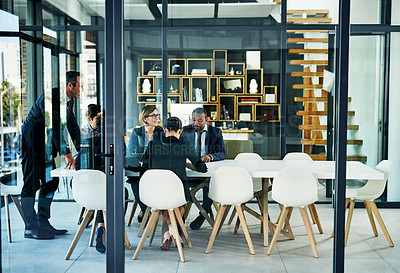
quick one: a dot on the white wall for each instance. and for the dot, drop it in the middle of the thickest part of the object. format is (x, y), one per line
(365, 89)
(393, 187)
(331, 5)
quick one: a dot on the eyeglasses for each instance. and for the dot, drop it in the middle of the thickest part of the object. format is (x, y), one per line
(153, 116)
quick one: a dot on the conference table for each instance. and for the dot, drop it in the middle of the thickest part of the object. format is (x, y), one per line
(267, 169)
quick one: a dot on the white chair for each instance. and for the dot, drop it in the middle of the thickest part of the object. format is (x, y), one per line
(372, 190)
(230, 186)
(294, 188)
(296, 156)
(162, 190)
(89, 191)
(12, 191)
(257, 188)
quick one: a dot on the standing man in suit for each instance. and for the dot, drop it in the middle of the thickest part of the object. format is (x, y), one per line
(209, 144)
(37, 226)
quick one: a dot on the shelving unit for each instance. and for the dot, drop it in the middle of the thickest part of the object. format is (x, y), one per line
(223, 88)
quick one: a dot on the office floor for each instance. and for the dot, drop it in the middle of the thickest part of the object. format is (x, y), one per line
(364, 253)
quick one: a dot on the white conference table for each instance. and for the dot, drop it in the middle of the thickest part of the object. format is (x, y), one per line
(269, 169)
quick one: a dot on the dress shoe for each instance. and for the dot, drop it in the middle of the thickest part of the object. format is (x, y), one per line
(196, 223)
(140, 217)
(37, 234)
(46, 227)
(99, 240)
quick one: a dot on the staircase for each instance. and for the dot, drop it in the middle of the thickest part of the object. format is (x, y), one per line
(314, 60)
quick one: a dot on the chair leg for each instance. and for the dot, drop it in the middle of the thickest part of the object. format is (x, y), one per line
(349, 217)
(228, 207)
(371, 218)
(18, 205)
(310, 234)
(153, 231)
(378, 216)
(79, 234)
(232, 216)
(246, 232)
(217, 222)
(153, 218)
(282, 218)
(142, 225)
(187, 210)
(81, 213)
(280, 214)
(235, 231)
(96, 213)
(128, 244)
(7, 218)
(345, 208)
(176, 234)
(133, 210)
(314, 212)
(182, 225)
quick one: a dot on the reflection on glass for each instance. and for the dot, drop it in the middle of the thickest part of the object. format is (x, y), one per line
(365, 12)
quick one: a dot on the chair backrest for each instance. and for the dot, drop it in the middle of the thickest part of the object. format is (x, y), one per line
(235, 147)
(161, 189)
(297, 156)
(257, 182)
(248, 156)
(231, 185)
(13, 189)
(375, 188)
(89, 189)
(294, 187)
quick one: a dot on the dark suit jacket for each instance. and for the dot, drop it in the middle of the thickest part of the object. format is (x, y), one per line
(170, 154)
(214, 141)
(72, 125)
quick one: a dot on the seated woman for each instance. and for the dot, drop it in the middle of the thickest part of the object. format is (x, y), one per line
(170, 153)
(138, 142)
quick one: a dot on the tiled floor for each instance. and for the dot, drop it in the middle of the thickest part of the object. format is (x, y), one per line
(364, 253)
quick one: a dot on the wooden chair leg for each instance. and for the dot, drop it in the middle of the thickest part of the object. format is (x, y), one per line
(312, 214)
(18, 205)
(176, 234)
(310, 234)
(279, 216)
(217, 222)
(378, 217)
(146, 232)
(153, 231)
(235, 231)
(282, 218)
(349, 217)
(81, 213)
(144, 221)
(246, 232)
(182, 225)
(228, 207)
(187, 210)
(232, 216)
(345, 208)
(316, 217)
(371, 218)
(133, 210)
(79, 234)
(128, 244)
(94, 225)
(7, 218)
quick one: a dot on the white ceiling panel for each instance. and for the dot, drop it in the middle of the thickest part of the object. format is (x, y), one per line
(189, 11)
(244, 10)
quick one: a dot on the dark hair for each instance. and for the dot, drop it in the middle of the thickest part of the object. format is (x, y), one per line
(200, 111)
(72, 77)
(174, 124)
(93, 110)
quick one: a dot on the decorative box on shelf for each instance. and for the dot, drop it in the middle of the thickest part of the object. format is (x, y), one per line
(177, 67)
(270, 94)
(231, 85)
(270, 113)
(152, 67)
(145, 85)
(199, 67)
(254, 78)
(219, 62)
(236, 69)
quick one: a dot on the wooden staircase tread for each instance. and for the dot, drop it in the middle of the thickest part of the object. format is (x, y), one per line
(309, 20)
(306, 30)
(324, 141)
(306, 62)
(323, 127)
(307, 51)
(319, 113)
(308, 11)
(307, 74)
(307, 86)
(307, 40)
(322, 157)
(315, 99)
